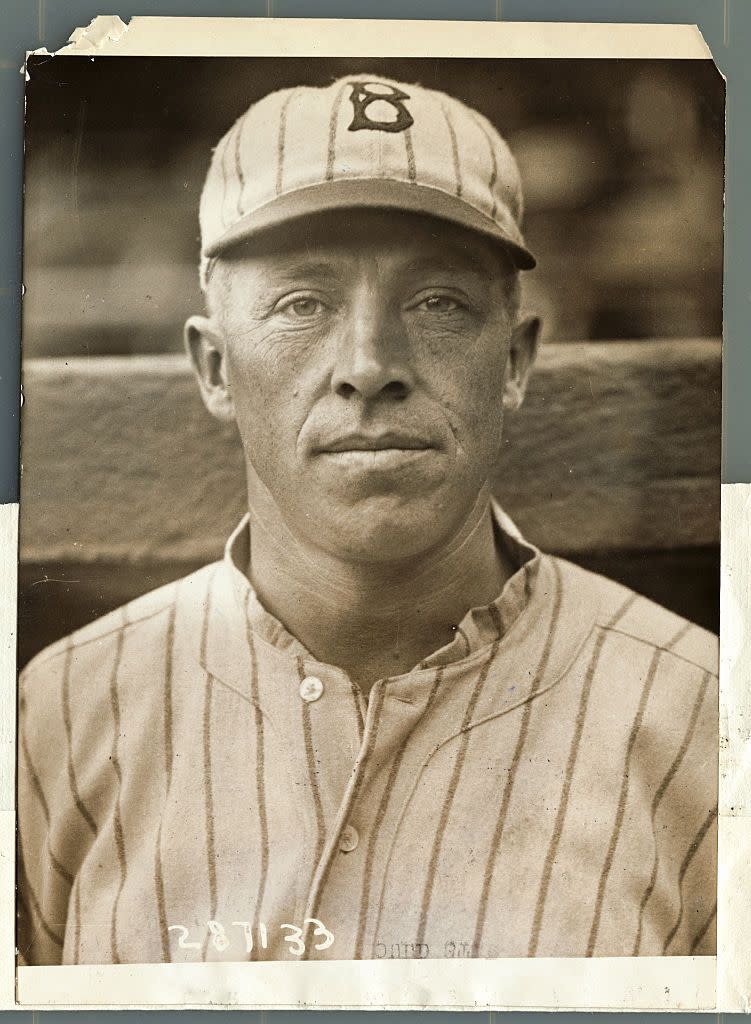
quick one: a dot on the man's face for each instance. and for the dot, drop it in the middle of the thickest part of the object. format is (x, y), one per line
(365, 357)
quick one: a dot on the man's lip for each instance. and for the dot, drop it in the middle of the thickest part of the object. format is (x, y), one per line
(375, 443)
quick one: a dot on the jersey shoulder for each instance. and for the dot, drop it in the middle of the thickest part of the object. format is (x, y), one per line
(140, 610)
(624, 611)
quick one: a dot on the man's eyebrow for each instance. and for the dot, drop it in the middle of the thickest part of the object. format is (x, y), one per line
(449, 263)
(302, 267)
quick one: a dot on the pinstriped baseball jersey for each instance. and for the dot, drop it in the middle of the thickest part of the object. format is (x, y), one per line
(194, 785)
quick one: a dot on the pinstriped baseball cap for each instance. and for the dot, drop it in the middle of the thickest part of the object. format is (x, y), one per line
(360, 142)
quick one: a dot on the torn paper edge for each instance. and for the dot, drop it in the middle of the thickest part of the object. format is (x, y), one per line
(108, 35)
(86, 41)
(102, 30)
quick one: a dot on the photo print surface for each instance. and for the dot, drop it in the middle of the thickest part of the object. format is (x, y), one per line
(369, 583)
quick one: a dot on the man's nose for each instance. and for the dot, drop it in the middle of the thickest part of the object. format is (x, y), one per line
(372, 358)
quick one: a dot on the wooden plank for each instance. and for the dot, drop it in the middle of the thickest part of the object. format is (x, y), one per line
(617, 447)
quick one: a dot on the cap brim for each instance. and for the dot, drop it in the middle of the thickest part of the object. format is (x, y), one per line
(374, 193)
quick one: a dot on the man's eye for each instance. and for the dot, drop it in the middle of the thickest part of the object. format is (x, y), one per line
(440, 304)
(303, 307)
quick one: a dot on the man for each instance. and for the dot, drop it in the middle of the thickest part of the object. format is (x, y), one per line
(385, 724)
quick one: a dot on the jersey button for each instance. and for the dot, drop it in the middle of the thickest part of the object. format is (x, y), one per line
(349, 839)
(311, 688)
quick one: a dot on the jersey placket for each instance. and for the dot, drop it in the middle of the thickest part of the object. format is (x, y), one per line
(331, 711)
(336, 888)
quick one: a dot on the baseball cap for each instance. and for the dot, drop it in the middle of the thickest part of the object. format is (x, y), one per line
(360, 142)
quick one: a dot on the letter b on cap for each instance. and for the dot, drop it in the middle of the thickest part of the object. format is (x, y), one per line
(382, 95)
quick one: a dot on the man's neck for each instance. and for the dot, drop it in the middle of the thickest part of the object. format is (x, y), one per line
(370, 620)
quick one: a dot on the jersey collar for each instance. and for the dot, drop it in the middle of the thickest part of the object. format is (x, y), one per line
(479, 627)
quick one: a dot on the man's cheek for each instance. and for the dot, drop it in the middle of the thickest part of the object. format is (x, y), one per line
(472, 374)
(261, 387)
(476, 403)
(272, 460)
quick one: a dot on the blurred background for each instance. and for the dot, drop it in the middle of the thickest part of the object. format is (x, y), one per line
(622, 165)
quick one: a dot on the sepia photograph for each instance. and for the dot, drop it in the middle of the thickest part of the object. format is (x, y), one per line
(370, 509)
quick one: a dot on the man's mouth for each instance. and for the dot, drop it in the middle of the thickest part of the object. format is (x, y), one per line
(374, 443)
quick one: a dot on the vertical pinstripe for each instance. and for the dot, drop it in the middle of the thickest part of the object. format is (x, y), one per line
(454, 150)
(36, 785)
(704, 929)
(169, 643)
(66, 876)
(625, 607)
(493, 168)
(333, 119)
(451, 792)
(356, 696)
(23, 918)
(168, 756)
(497, 621)
(528, 581)
(234, 156)
(623, 796)
(207, 766)
(690, 854)
(229, 153)
(410, 148)
(465, 638)
(377, 824)
(77, 923)
(48, 931)
(36, 906)
(82, 809)
(117, 823)
(678, 636)
(238, 163)
(657, 799)
(223, 169)
(281, 142)
(260, 774)
(310, 760)
(515, 760)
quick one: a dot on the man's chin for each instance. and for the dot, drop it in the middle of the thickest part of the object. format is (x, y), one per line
(389, 528)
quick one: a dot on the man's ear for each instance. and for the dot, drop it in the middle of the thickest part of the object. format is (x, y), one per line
(205, 346)
(521, 356)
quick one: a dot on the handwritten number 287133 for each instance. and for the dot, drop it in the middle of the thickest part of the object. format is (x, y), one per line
(294, 938)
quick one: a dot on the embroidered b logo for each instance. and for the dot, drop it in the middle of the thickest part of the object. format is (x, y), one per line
(379, 107)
